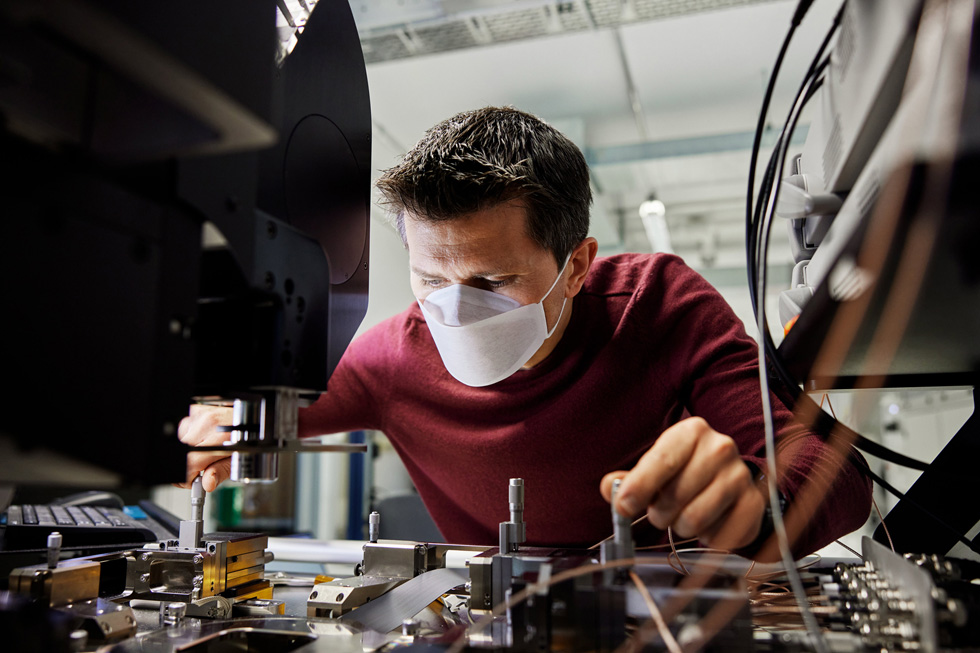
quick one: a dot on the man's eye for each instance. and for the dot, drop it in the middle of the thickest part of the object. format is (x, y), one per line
(492, 283)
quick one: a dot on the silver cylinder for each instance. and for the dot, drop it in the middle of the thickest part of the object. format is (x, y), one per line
(54, 549)
(248, 421)
(374, 526)
(513, 533)
(515, 493)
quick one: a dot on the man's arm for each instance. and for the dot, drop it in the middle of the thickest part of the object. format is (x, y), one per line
(697, 477)
(347, 406)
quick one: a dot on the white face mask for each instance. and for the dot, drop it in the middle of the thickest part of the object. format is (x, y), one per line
(484, 337)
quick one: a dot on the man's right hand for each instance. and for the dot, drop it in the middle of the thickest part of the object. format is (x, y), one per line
(200, 429)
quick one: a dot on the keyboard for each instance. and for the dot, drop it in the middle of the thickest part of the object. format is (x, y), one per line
(28, 526)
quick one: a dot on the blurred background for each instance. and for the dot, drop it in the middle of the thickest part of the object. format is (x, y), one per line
(662, 96)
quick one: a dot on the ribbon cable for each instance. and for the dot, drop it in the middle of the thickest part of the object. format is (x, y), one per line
(388, 611)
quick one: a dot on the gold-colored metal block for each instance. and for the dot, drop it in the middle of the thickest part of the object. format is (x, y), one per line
(237, 544)
(246, 560)
(69, 583)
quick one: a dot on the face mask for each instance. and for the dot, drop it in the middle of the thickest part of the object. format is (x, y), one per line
(482, 336)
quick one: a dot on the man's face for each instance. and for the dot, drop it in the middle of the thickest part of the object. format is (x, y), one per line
(488, 249)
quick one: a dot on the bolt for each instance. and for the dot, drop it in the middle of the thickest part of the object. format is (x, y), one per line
(145, 578)
(145, 557)
(198, 559)
(340, 597)
(314, 595)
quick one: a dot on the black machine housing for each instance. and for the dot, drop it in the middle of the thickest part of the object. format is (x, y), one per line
(127, 128)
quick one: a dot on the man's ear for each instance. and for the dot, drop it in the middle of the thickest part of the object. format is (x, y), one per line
(580, 264)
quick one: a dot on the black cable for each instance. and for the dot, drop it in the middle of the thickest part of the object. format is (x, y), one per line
(751, 236)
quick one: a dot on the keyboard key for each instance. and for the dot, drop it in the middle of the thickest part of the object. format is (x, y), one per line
(79, 516)
(97, 517)
(15, 515)
(44, 516)
(62, 516)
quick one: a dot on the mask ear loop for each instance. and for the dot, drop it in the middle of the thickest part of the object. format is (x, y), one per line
(550, 331)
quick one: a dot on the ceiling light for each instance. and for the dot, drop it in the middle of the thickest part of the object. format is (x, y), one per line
(652, 207)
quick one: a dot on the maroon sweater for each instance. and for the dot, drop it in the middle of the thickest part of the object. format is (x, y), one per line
(649, 342)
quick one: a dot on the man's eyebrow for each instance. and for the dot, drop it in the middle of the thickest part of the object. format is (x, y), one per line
(500, 272)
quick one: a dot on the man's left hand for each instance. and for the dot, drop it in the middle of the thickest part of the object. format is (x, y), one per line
(693, 480)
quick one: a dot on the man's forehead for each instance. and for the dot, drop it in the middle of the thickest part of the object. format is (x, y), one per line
(493, 263)
(487, 242)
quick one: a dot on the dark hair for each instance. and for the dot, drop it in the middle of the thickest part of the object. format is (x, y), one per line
(478, 159)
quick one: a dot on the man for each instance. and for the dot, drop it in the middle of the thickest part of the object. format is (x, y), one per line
(526, 356)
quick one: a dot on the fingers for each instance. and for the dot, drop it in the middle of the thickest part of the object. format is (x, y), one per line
(200, 429)
(202, 423)
(740, 525)
(708, 512)
(216, 473)
(711, 478)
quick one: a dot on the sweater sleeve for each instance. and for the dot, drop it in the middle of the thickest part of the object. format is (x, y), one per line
(718, 380)
(350, 402)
